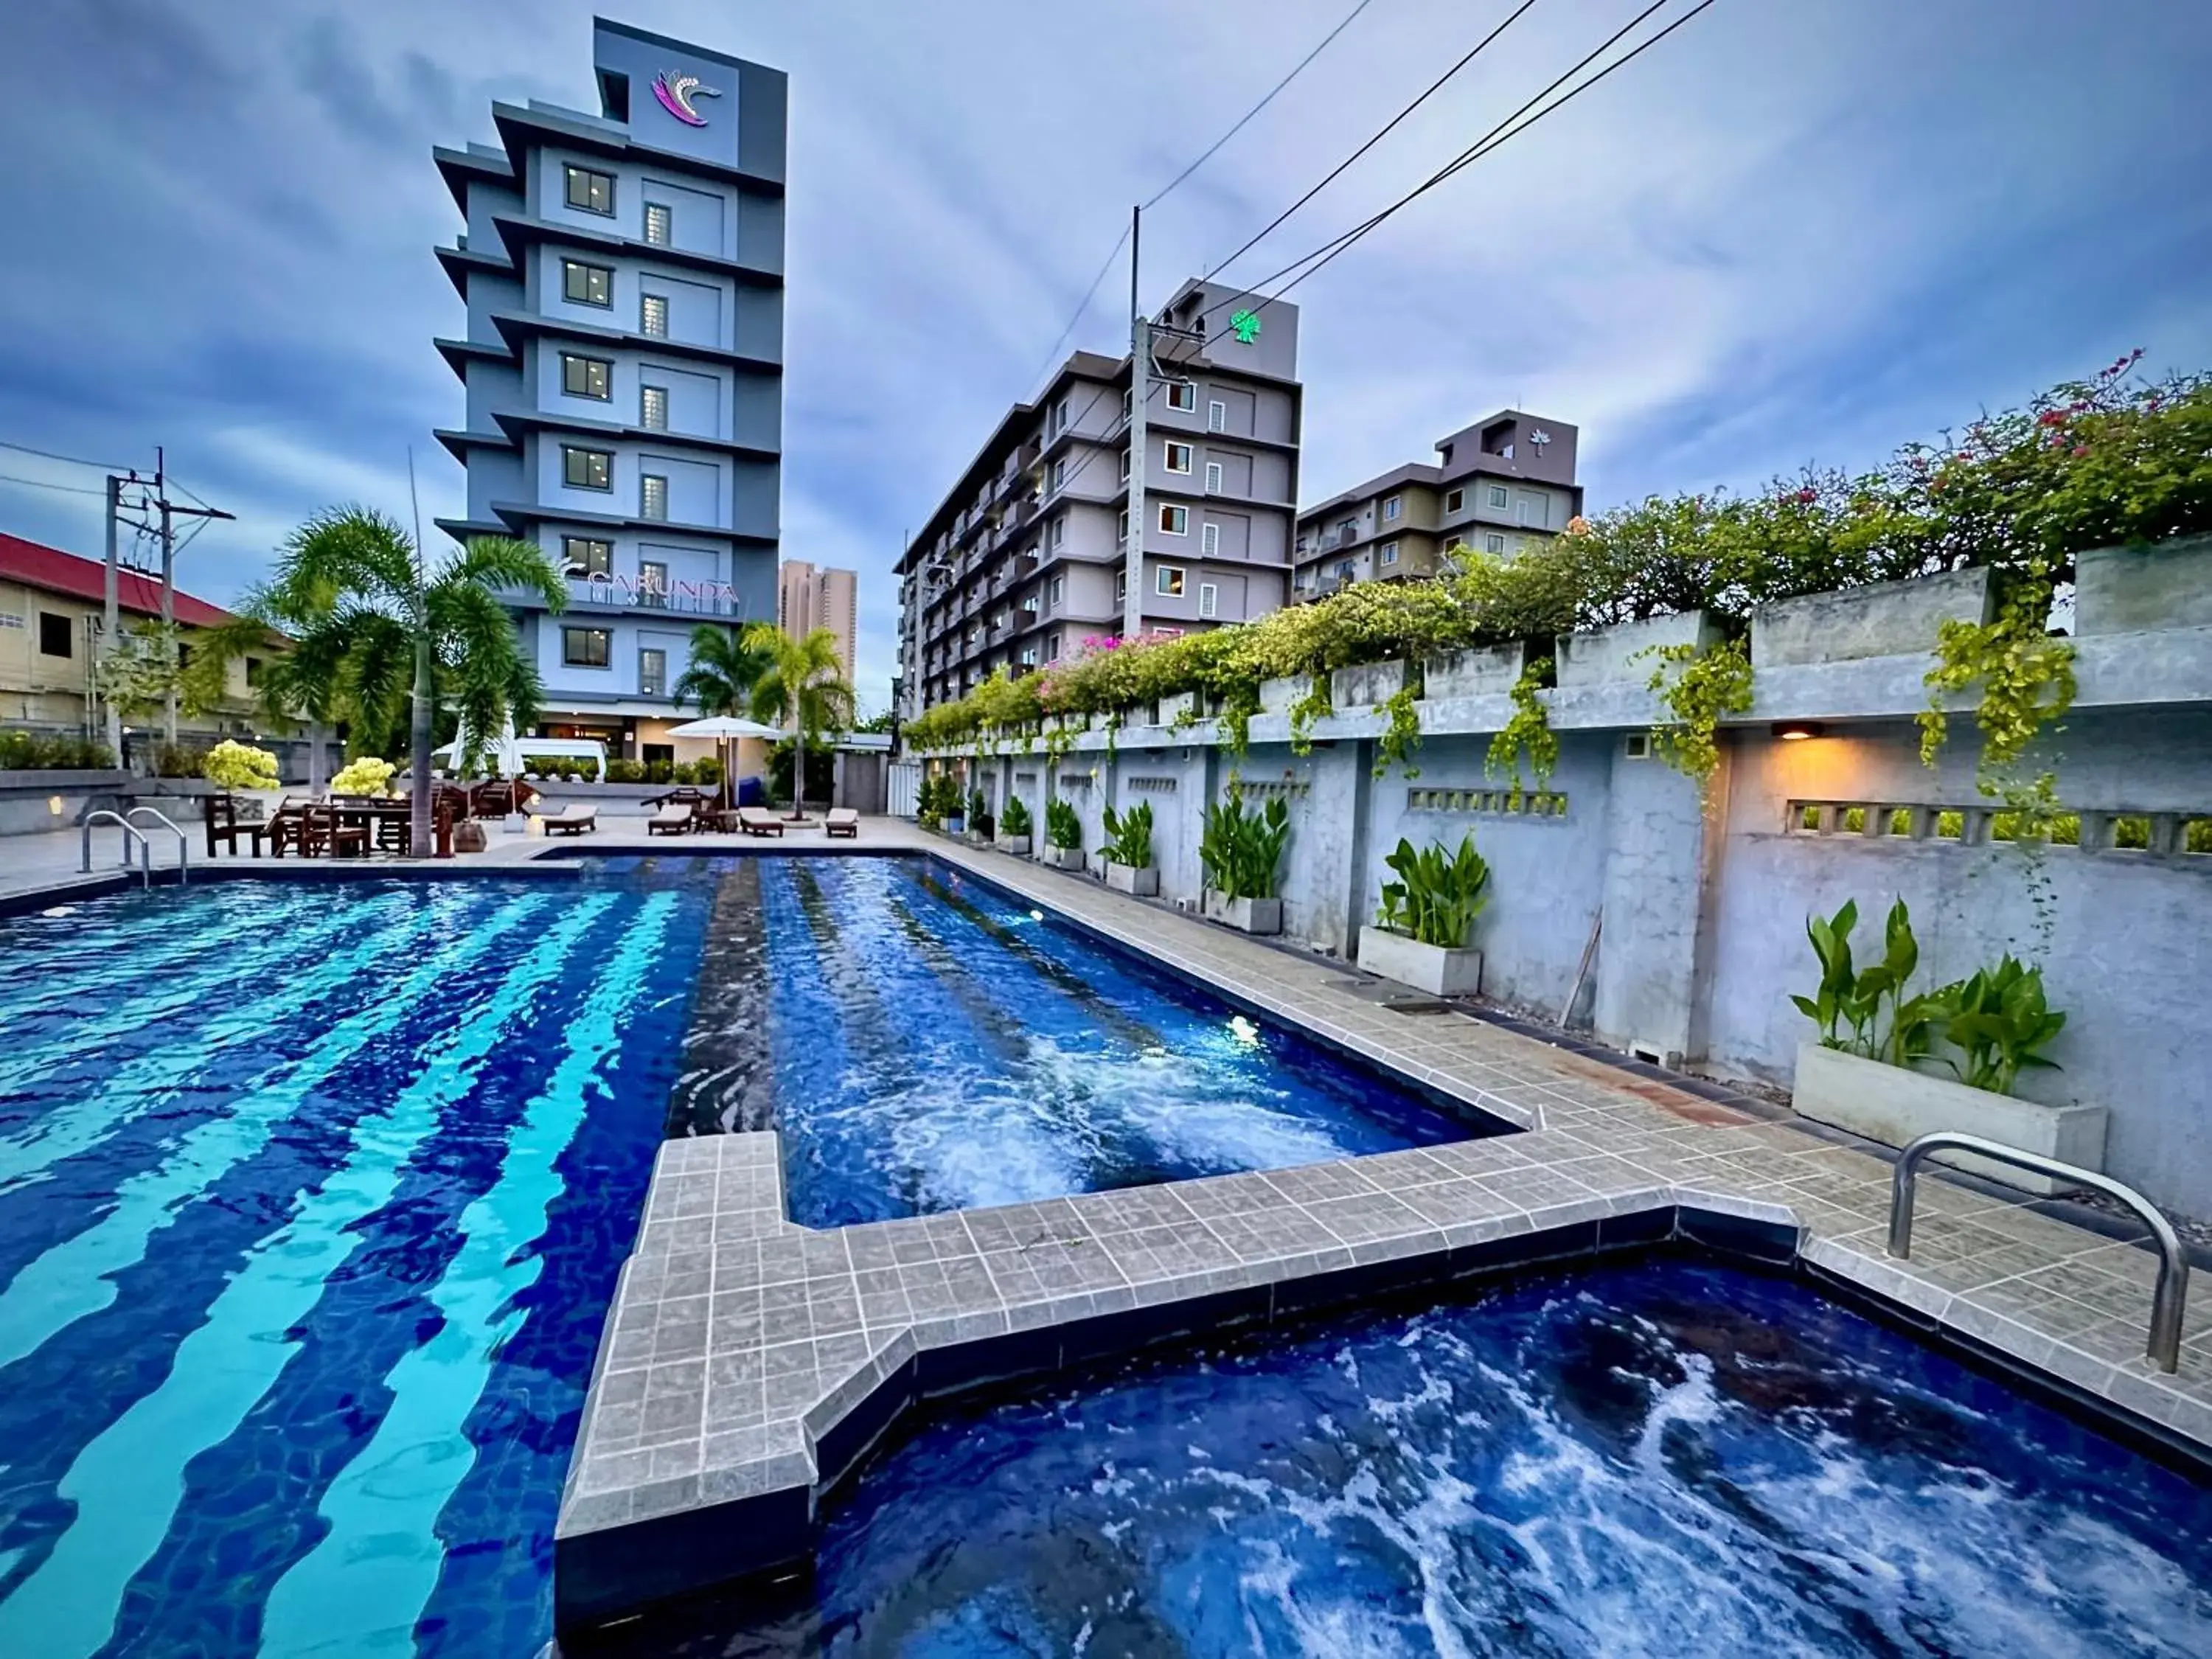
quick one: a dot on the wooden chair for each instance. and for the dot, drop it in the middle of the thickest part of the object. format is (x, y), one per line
(223, 828)
(322, 831)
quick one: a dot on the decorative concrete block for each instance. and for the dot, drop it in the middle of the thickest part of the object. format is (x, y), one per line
(1884, 619)
(1490, 673)
(1429, 968)
(1169, 708)
(1617, 653)
(1895, 1106)
(1276, 696)
(1017, 845)
(1065, 858)
(1127, 878)
(2142, 589)
(1249, 915)
(1370, 683)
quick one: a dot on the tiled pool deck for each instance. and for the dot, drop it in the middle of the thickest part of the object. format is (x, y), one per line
(749, 1362)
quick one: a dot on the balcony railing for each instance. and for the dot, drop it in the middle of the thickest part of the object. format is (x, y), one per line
(689, 598)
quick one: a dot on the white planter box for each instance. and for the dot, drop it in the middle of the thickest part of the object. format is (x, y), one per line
(1127, 878)
(1249, 915)
(1017, 845)
(1276, 696)
(1065, 858)
(1428, 968)
(978, 838)
(956, 824)
(1490, 673)
(1170, 708)
(1894, 1106)
(1368, 684)
(1618, 653)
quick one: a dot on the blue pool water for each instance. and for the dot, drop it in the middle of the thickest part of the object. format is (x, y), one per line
(311, 1203)
(936, 1046)
(1659, 1460)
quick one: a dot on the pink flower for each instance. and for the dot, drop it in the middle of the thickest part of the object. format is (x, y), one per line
(2052, 417)
(2081, 449)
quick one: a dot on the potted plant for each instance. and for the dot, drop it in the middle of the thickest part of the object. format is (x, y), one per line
(233, 768)
(1014, 828)
(1063, 835)
(1128, 852)
(952, 805)
(1239, 854)
(1420, 935)
(1894, 1065)
(980, 827)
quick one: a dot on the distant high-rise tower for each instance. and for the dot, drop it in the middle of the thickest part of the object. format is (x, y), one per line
(624, 361)
(808, 599)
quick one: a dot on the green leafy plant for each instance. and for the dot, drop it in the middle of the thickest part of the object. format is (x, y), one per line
(979, 814)
(1015, 820)
(1401, 735)
(1063, 827)
(1129, 836)
(1315, 705)
(1527, 732)
(1438, 896)
(2000, 1021)
(1241, 850)
(180, 760)
(233, 765)
(1705, 686)
(367, 776)
(32, 751)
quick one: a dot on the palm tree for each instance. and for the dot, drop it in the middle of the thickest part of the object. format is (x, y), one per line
(802, 690)
(384, 643)
(723, 668)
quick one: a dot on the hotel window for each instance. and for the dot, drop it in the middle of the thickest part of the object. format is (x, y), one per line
(586, 469)
(56, 637)
(652, 316)
(1209, 598)
(652, 408)
(660, 224)
(1052, 649)
(1389, 554)
(1455, 500)
(651, 496)
(1029, 656)
(652, 672)
(1059, 530)
(1057, 593)
(1121, 526)
(1178, 457)
(1183, 394)
(1217, 416)
(652, 583)
(1174, 520)
(1498, 497)
(1168, 579)
(1125, 467)
(1493, 544)
(586, 285)
(590, 191)
(1060, 417)
(1060, 473)
(1528, 510)
(586, 555)
(586, 647)
(1120, 587)
(253, 670)
(586, 377)
(1124, 405)
(1392, 506)
(1213, 477)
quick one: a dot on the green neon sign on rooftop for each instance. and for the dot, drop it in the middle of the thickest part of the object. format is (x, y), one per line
(1246, 326)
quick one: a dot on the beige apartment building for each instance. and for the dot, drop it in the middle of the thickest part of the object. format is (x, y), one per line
(807, 599)
(1495, 486)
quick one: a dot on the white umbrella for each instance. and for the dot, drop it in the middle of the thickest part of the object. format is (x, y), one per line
(724, 726)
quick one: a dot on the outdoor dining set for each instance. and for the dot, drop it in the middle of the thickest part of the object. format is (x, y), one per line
(341, 826)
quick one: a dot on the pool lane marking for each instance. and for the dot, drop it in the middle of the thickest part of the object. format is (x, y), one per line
(151, 1079)
(126, 1483)
(52, 954)
(74, 1279)
(350, 1593)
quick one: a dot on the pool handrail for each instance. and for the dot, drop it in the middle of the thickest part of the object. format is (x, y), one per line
(183, 843)
(2164, 1348)
(130, 833)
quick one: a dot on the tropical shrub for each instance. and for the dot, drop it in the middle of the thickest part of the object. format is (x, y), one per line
(1240, 850)
(1438, 896)
(2000, 1021)
(1063, 827)
(625, 771)
(1129, 836)
(233, 765)
(367, 776)
(1015, 820)
(180, 760)
(31, 752)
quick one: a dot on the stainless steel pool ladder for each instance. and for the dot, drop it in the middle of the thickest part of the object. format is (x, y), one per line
(2164, 1349)
(132, 833)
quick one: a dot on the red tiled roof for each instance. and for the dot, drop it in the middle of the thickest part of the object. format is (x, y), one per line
(58, 572)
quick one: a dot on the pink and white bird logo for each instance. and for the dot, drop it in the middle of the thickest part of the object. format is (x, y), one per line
(675, 91)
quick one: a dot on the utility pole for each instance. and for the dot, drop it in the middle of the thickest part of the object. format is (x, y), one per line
(1140, 359)
(170, 513)
(109, 624)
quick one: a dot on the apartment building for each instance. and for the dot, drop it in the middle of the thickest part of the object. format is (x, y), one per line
(624, 367)
(1495, 486)
(810, 597)
(1027, 556)
(53, 606)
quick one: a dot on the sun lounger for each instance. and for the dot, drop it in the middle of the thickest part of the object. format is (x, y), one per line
(756, 822)
(670, 820)
(843, 821)
(571, 820)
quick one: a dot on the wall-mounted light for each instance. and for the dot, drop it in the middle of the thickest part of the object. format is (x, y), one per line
(1796, 731)
(54, 804)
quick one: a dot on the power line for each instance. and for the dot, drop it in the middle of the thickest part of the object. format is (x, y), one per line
(1380, 134)
(72, 461)
(40, 483)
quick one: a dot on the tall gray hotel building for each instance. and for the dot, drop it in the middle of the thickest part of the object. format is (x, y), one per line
(624, 367)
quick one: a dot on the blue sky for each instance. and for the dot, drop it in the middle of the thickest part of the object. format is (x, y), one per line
(1798, 230)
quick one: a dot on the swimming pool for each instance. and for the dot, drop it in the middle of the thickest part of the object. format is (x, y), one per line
(312, 1200)
(936, 1045)
(1658, 1459)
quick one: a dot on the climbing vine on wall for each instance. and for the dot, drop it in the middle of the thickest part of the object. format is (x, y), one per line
(1402, 733)
(1528, 732)
(1704, 688)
